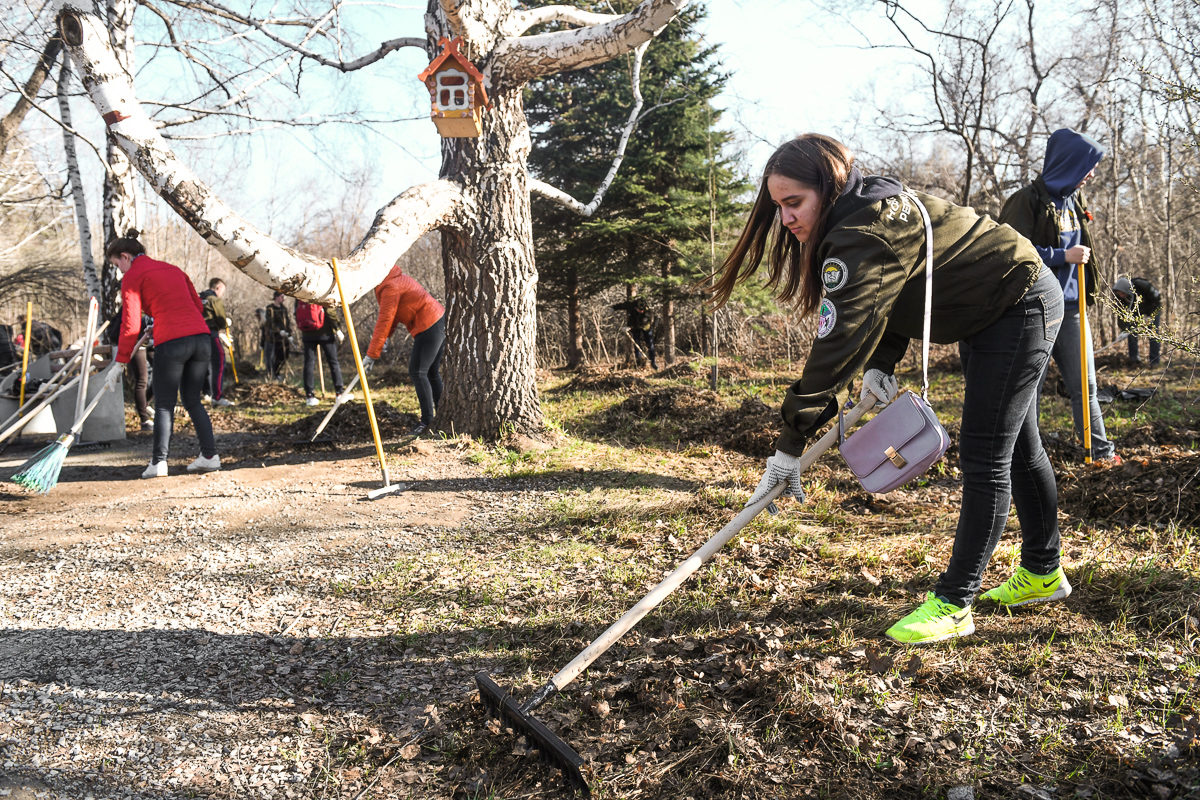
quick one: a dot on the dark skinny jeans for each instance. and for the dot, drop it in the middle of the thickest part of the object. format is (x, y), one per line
(424, 367)
(329, 349)
(1000, 448)
(180, 369)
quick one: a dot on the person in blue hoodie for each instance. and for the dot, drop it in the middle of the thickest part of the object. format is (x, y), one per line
(1052, 214)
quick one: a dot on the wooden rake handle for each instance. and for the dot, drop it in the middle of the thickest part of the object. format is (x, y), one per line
(687, 568)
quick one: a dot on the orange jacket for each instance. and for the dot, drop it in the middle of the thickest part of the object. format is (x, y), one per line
(401, 299)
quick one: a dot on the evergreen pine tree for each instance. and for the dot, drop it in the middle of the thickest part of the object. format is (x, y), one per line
(654, 224)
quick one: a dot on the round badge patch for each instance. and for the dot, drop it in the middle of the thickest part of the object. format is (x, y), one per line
(834, 274)
(826, 318)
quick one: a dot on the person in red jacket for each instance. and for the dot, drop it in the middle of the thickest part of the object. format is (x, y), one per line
(181, 346)
(403, 300)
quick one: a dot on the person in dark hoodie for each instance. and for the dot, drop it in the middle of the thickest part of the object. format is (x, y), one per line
(1052, 214)
(852, 249)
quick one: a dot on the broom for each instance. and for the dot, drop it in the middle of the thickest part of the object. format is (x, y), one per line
(41, 472)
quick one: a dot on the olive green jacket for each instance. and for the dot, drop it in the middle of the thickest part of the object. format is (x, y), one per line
(872, 265)
(214, 311)
(1031, 213)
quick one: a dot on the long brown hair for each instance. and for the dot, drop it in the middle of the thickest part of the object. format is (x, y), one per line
(819, 162)
(126, 244)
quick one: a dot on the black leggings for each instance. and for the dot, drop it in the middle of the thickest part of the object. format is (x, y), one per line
(424, 367)
(180, 367)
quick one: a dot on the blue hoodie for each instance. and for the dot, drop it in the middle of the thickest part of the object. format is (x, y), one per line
(1070, 156)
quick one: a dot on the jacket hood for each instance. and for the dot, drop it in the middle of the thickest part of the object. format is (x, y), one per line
(1070, 156)
(872, 189)
(862, 191)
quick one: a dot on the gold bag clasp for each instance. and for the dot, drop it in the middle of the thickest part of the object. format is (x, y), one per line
(898, 460)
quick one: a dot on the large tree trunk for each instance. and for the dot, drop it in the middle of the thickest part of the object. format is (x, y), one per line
(491, 282)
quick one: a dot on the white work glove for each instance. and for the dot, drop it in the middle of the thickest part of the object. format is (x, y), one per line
(781, 468)
(367, 362)
(878, 388)
(112, 376)
(341, 337)
(229, 322)
(226, 339)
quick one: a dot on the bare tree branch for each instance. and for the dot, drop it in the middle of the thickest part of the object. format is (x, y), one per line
(522, 58)
(561, 197)
(316, 27)
(12, 120)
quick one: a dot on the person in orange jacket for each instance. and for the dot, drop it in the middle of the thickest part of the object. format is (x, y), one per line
(403, 300)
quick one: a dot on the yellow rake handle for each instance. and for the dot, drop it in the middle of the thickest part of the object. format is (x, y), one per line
(362, 375)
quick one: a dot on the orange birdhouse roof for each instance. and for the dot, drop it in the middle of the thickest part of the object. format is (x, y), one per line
(451, 52)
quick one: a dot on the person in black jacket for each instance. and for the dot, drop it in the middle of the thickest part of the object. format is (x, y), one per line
(640, 322)
(1141, 299)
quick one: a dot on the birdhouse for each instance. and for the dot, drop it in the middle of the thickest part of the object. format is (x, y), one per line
(456, 91)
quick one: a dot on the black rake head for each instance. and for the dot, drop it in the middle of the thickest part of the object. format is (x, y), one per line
(548, 744)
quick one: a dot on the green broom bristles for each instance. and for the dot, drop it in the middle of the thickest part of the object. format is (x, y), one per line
(40, 473)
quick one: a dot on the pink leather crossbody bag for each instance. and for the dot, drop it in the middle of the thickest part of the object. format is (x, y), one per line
(904, 439)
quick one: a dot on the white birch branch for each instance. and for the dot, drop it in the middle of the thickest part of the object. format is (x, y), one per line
(463, 20)
(272, 264)
(262, 26)
(561, 197)
(91, 278)
(521, 21)
(522, 58)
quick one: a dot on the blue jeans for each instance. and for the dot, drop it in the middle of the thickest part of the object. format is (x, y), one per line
(1000, 448)
(424, 366)
(1066, 355)
(180, 368)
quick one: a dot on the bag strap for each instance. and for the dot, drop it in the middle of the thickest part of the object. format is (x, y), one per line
(928, 293)
(928, 307)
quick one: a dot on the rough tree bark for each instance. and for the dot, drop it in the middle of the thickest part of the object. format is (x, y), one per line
(481, 203)
(119, 201)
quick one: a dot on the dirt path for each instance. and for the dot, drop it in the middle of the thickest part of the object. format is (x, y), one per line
(190, 636)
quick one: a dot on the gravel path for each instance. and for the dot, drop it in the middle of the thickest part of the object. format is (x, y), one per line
(199, 636)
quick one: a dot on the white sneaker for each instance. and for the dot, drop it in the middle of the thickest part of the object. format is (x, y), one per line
(344, 397)
(312, 401)
(224, 403)
(202, 464)
(206, 398)
(157, 469)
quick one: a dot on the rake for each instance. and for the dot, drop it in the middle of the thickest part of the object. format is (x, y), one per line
(520, 715)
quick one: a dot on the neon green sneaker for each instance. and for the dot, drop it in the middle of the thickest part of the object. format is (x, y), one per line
(1025, 587)
(933, 621)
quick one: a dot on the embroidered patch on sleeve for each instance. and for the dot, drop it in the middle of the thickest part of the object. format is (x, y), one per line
(834, 274)
(826, 318)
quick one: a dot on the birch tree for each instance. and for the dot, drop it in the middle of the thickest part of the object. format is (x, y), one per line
(481, 201)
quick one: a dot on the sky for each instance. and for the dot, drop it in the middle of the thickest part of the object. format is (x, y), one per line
(792, 68)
